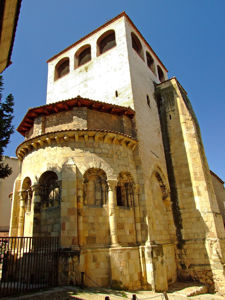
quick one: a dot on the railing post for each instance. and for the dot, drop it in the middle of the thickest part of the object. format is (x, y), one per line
(134, 297)
(107, 298)
(82, 280)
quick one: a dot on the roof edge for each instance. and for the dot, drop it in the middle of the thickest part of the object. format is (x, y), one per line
(68, 104)
(123, 14)
(217, 177)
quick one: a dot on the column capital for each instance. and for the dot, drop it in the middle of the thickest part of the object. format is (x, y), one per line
(112, 184)
(22, 200)
(21, 194)
(35, 188)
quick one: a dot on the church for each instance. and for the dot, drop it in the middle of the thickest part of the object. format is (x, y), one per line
(114, 166)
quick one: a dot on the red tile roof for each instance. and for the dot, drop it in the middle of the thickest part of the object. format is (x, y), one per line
(65, 105)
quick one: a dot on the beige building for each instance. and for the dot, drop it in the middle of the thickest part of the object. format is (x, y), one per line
(114, 166)
(9, 14)
(6, 188)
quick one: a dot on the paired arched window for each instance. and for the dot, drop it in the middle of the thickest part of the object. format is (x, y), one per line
(95, 187)
(27, 193)
(82, 56)
(160, 74)
(150, 62)
(106, 42)
(62, 68)
(136, 44)
(49, 190)
(125, 190)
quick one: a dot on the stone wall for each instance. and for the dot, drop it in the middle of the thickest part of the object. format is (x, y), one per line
(219, 189)
(81, 118)
(199, 226)
(90, 228)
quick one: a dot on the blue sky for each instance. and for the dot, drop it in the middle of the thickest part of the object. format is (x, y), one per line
(187, 35)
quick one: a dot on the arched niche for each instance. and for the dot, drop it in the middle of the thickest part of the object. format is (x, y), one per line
(49, 189)
(95, 187)
(125, 190)
(27, 193)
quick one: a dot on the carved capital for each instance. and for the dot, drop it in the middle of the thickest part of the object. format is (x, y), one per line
(112, 184)
(35, 189)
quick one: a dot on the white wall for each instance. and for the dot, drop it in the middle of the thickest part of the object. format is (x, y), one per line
(99, 78)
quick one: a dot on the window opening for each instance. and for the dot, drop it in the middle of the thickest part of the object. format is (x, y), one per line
(49, 190)
(125, 190)
(62, 68)
(150, 62)
(160, 74)
(148, 101)
(84, 56)
(27, 194)
(116, 93)
(95, 187)
(106, 42)
(136, 44)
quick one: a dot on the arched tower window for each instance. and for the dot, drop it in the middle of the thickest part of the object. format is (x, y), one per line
(106, 41)
(82, 56)
(62, 68)
(136, 44)
(125, 190)
(150, 62)
(27, 193)
(160, 74)
(49, 190)
(95, 187)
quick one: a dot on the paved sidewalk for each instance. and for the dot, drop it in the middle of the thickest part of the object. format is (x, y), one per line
(72, 293)
(142, 295)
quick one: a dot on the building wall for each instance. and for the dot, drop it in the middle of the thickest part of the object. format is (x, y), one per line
(199, 226)
(96, 79)
(85, 226)
(6, 187)
(101, 77)
(81, 118)
(219, 189)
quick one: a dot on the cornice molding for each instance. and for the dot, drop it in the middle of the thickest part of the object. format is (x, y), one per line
(60, 138)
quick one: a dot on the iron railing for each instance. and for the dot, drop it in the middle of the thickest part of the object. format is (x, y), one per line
(28, 264)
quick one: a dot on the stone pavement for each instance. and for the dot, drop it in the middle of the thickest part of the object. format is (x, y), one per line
(178, 292)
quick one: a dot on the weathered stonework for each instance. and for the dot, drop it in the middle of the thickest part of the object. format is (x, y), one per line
(128, 192)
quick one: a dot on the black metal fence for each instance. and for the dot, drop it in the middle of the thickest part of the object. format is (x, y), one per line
(28, 264)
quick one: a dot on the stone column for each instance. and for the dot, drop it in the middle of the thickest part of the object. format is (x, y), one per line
(36, 201)
(112, 213)
(137, 214)
(21, 214)
(80, 204)
(68, 212)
